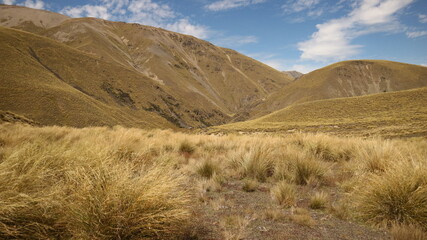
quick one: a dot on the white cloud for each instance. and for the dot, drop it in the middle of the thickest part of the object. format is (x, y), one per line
(304, 68)
(229, 4)
(87, 11)
(416, 34)
(37, 4)
(9, 2)
(235, 41)
(332, 41)
(146, 12)
(185, 27)
(422, 18)
(299, 5)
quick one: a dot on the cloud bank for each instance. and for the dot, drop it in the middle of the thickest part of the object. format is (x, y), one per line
(145, 12)
(333, 39)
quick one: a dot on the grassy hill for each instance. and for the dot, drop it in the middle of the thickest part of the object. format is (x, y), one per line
(402, 113)
(54, 84)
(345, 79)
(187, 81)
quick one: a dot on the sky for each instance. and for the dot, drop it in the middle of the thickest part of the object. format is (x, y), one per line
(301, 35)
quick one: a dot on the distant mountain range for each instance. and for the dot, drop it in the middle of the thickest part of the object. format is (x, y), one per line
(293, 74)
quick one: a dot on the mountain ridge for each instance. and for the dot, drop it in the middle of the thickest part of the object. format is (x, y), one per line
(196, 84)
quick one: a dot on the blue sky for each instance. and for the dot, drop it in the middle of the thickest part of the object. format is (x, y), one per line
(298, 35)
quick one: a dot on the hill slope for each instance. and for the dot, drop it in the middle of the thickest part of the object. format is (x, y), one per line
(188, 81)
(345, 79)
(402, 113)
(38, 83)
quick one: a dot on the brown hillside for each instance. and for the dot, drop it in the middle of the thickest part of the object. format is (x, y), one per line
(402, 113)
(200, 84)
(293, 74)
(346, 79)
(54, 84)
(22, 17)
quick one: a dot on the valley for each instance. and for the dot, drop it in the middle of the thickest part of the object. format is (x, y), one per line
(116, 130)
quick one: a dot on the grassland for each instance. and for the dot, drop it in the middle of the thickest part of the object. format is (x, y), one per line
(394, 114)
(124, 183)
(345, 79)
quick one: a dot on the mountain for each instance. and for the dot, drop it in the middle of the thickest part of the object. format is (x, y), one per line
(401, 113)
(54, 84)
(345, 79)
(293, 74)
(137, 70)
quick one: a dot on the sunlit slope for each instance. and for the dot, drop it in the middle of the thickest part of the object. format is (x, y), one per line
(51, 83)
(346, 79)
(210, 83)
(402, 113)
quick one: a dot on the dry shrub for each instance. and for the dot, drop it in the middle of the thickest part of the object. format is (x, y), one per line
(398, 196)
(407, 232)
(284, 194)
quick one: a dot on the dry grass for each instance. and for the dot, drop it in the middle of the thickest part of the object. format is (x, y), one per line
(234, 227)
(308, 170)
(250, 185)
(407, 232)
(319, 200)
(398, 196)
(302, 217)
(355, 116)
(103, 183)
(284, 194)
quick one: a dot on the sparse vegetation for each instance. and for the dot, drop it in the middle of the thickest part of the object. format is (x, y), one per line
(250, 185)
(302, 217)
(103, 183)
(284, 194)
(319, 200)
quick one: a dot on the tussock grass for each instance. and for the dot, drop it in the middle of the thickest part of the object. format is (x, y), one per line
(302, 217)
(108, 183)
(308, 171)
(284, 194)
(250, 185)
(235, 227)
(319, 200)
(186, 148)
(207, 168)
(55, 189)
(257, 163)
(406, 232)
(398, 196)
